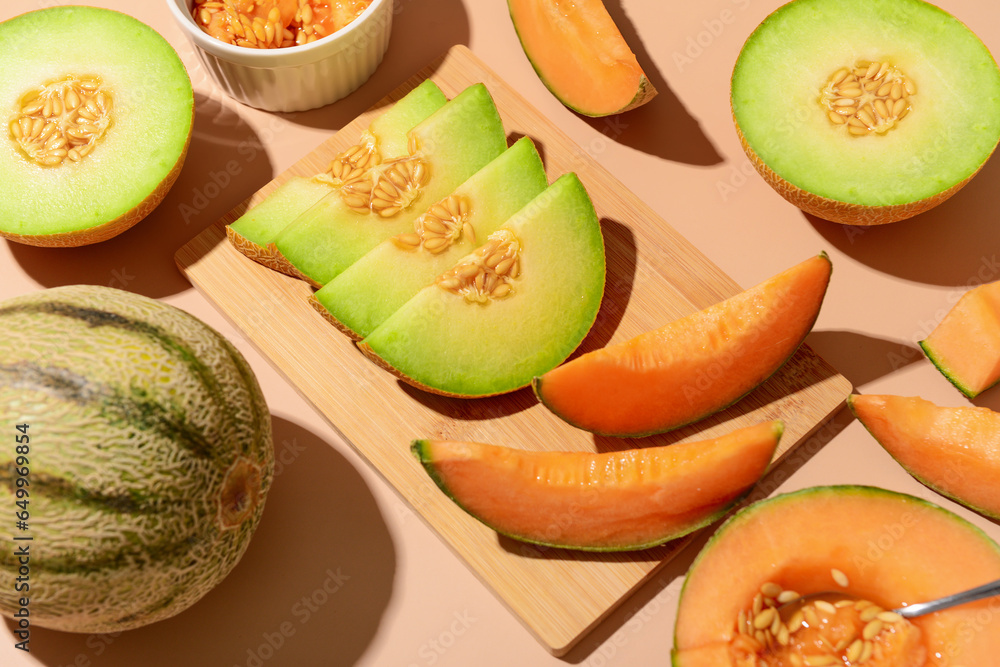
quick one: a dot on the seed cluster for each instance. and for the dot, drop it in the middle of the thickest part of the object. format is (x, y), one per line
(355, 161)
(387, 188)
(243, 22)
(868, 98)
(489, 272)
(63, 119)
(440, 227)
(761, 630)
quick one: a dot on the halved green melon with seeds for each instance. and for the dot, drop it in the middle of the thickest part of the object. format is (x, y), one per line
(512, 309)
(384, 139)
(97, 112)
(378, 284)
(866, 111)
(444, 150)
(965, 345)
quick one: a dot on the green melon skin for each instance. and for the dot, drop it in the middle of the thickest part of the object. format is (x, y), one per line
(145, 145)
(148, 459)
(442, 343)
(378, 284)
(458, 140)
(953, 127)
(264, 221)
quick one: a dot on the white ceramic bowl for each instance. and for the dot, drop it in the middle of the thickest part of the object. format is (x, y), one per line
(294, 78)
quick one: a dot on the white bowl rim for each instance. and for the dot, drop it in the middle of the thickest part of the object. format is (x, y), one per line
(271, 58)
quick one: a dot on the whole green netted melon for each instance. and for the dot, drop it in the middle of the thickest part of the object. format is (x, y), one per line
(139, 454)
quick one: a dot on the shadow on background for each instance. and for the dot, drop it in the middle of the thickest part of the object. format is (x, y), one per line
(421, 32)
(225, 154)
(663, 126)
(310, 590)
(964, 228)
(862, 358)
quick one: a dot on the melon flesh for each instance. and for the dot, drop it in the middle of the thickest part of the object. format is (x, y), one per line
(456, 141)
(371, 289)
(140, 155)
(442, 342)
(254, 230)
(893, 550)
(950, 131)
(632, 499)
(580, 55)
(965, 345)
(669, 377)
(955, 451)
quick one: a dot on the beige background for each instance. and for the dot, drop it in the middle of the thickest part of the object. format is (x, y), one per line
(342, 572)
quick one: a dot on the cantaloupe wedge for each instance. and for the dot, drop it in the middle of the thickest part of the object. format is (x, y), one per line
(694, 366)
(965, 345)
(580, 55)
(955, 451)
(610, 501)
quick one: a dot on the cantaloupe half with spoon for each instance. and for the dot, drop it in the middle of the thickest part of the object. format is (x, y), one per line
(953, 450)
(580, 55)
(691, 367)
(866, 111)
(608, 501)
(880, 549)
(97, 113)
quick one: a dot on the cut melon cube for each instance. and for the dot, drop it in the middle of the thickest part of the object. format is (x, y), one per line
(965, 345)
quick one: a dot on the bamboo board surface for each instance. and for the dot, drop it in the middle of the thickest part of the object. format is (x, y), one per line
(654, 275)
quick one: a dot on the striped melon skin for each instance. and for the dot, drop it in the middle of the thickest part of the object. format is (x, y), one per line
(150, 456)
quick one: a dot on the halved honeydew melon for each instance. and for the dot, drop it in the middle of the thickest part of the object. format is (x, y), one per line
(884, 548)
(612, 501)
(580, 55)
(375, 286)
(691, 367)
(445, 149)
(514, 308)
(97, 113)
(953, 450)
(384, 139)
(965, 345)
(866, 111)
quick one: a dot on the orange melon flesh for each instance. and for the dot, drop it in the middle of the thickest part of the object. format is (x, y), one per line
(694, 366)
(609, 501)
(894, 549)
(965, 345)
(580, 55)
(955, 451)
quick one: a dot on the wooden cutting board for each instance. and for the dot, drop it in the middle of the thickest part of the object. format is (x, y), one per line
(654, 275)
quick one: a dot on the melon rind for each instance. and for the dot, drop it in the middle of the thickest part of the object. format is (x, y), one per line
(440, 343)
(380, 282)
(894, 548)
(138, 159)
(150, 456)
(943, 142)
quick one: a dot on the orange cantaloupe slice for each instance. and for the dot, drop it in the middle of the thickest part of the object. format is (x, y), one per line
(693, 366)
(953, 450)
(965, 345)
(608, 501)
(892, 549)
(580, 55)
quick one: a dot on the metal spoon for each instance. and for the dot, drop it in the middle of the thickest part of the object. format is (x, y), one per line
(909, 611)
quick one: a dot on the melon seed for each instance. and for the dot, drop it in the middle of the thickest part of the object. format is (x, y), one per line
(64, 117)
(479, 282)
(872, 96)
